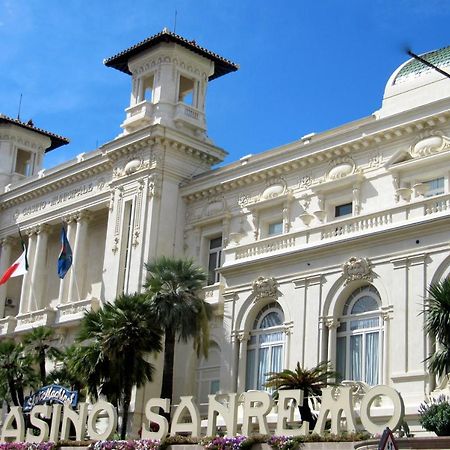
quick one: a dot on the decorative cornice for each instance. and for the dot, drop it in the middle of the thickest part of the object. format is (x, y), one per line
(17, 196)
(364, 142)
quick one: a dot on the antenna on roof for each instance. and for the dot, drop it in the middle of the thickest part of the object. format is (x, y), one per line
(427, 63)
(175, 22)
(20, 105)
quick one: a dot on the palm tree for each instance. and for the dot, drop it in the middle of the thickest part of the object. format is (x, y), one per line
(65, 373)
(437, 324)
(120, 336)
(38, 343)
(310, 381)
(16, 371)
(173, 290)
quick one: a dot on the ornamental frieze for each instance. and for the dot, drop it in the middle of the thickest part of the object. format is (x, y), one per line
(70, 196)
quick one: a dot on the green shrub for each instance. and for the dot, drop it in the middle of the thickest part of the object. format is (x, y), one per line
(435, 415)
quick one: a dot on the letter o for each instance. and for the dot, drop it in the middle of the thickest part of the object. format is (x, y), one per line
(397, 416)
(92, 419)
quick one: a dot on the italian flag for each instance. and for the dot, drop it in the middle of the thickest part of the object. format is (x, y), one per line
(19, 267)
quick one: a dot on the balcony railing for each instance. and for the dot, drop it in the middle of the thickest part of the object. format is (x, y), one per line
(69, 312)
(30, 320)
(365, 224)
(190, 115)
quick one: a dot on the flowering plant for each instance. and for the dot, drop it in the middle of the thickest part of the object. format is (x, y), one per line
(27, 446)
(224, 443)
(138, 444)
(283, 442)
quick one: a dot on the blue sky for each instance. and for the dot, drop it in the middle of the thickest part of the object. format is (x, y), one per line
(305, 65)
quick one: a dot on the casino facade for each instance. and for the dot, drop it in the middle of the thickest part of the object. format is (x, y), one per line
(321, 249)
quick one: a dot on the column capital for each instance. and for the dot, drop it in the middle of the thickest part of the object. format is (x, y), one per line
(288, 328)
(387, 312)
(331, 322)
(31, 231)
(43, 229)
(85, 215)
(8, 241)
(242, 336)
(70, 218)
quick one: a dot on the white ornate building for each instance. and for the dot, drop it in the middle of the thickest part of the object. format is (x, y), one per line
(321, 249)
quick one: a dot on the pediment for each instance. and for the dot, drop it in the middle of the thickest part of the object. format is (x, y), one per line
(426, 145)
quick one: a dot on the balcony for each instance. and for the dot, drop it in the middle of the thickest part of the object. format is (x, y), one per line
(33, 319)
(189, 116)
(415, 212)
(213, 295)
(139, 115)
(7, 325)
(71, 312)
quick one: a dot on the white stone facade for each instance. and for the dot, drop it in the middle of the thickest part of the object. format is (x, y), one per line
(325, 245)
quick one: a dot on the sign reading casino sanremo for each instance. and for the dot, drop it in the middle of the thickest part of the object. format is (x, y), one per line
(256, 406)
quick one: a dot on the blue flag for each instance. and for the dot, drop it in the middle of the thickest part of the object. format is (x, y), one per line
(65, 256)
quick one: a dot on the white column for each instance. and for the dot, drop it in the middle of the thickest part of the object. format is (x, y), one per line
(39, 269)
(287, 347)
(25, 293)
(333, 324)
(5, 262)
(243, 339)
(65, 282)
(386, 315)
(79, 257)
(234, 361)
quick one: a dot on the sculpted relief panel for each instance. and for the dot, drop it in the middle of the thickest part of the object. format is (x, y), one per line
(429, 143)
(357, 269)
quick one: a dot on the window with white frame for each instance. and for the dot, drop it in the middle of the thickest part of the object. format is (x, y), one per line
(186, 91)
(275, 228)
(24, 162)
(208, 375)
(434, 187)
(214, 259)
(147, 87)
(344, 209)
(266, 346)
(359, 337)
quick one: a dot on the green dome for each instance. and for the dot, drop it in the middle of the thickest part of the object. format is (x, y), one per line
(414, 68)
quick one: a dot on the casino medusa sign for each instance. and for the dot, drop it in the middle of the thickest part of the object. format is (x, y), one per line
(256, 406)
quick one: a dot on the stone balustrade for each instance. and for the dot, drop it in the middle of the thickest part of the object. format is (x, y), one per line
(317, 233)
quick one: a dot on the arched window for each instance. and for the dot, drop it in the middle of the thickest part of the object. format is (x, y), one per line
(265, 347)
(359, 337)
(208, 375)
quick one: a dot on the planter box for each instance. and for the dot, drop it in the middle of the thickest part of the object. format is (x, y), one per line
(425, 443)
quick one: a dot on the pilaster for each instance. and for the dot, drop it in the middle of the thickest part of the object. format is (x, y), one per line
(26, 281)
(76, 292)
(5, 261)
(39, 269)
(65, 282)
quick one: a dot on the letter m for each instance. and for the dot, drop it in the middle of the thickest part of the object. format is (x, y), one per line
(335, 401)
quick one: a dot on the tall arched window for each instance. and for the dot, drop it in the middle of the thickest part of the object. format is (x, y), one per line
(208, 375)
(359, 337)
(265, 347)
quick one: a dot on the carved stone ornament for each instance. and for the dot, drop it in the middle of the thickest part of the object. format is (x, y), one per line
(340, 168)
(215, 206)
(430, 142)
(265, 288)
(275, 187)
(356, 269)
